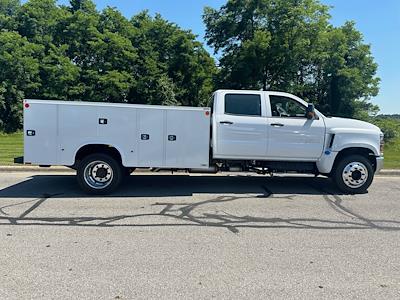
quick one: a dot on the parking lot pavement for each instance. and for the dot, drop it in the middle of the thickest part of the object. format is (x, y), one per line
(200, 236)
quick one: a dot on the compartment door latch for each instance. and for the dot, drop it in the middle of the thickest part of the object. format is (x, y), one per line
(103, 121)
(30, 132)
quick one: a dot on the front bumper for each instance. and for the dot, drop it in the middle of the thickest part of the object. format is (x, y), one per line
(379, 164)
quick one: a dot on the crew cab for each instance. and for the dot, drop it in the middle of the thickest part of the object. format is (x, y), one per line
(243, 131)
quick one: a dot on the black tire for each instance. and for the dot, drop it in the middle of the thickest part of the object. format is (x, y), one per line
(353, 174)
(105, 165)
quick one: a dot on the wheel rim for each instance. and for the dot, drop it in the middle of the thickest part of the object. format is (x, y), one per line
(355, 175)
(98, 175)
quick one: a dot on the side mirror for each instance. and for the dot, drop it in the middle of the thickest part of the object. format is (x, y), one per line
(310, 112)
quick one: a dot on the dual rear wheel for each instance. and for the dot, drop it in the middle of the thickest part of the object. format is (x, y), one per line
(100, 174)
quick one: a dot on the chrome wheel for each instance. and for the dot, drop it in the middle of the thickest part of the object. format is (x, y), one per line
(98, 175)
(355, 175)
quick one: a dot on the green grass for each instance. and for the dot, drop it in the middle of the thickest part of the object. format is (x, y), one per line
(11, 145)
(392, 154)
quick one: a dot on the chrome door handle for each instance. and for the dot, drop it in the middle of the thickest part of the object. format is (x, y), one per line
(277, 125)
(226, 122)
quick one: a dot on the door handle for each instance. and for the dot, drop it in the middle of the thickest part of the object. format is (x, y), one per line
(277, 125)
(226, 122)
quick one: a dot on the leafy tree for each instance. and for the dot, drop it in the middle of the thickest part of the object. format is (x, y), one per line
(289, 45)
(389, 126)
(76, 52)
(9, 7)
(59, 74)
(82, 5)
(166, 51)
(106, 59)
(8, 11)
(349, 73)
(19, 76)
(113, 21)
(37, 20)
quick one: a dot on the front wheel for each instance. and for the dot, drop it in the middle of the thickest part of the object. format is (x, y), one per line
(354, 174)
(99, 174)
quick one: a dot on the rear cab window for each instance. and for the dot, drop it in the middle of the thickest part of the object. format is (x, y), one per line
(243, 105)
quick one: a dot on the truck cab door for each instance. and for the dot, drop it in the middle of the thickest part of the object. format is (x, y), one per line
(291, 135)
(240, 127)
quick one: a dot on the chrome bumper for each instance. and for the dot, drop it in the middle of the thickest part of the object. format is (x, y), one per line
(379, 164)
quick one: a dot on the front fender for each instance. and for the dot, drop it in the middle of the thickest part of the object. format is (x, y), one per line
(345, 139)
(356, 138)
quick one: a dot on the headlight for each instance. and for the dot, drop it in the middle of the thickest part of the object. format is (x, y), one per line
(382, 144)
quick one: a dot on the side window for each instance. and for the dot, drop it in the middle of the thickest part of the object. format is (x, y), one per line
(286, 107)
(243, 105)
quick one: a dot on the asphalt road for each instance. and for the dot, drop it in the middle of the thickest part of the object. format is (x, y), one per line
(200, 237)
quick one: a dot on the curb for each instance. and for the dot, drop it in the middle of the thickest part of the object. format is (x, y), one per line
(389, 173)
(37, 169)
(6, 169)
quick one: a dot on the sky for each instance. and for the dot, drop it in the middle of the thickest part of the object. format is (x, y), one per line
(379, 21)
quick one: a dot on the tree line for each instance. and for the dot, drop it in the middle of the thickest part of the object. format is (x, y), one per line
(76, 52)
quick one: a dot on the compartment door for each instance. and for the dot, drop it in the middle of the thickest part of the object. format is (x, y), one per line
(40, 134)
(187, 139)
(150, 135)
(77, 127)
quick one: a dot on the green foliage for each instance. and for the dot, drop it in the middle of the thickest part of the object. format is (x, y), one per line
(8, 11)
(165, 51)
(290, 46)
(82, 5)
(75, 52)
(19, 73)
(392, 154)
(395, 116)
(37, 20)
(390, 127)
(389, 124)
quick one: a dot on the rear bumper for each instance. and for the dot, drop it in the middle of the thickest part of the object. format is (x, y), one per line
(19, 160)
(379, 164)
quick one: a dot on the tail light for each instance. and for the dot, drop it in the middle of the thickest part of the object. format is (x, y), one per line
(382, 144)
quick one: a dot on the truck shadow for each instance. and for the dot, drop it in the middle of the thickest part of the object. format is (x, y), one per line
(171, 213)
(65, 186)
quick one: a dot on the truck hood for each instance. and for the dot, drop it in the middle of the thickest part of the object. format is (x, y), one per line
(334, 124)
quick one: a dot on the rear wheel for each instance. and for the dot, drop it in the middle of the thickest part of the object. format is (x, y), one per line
(99, 174)
(354, 174)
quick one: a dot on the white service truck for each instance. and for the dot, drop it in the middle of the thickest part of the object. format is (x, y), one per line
(260, 131)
